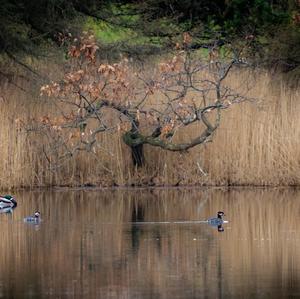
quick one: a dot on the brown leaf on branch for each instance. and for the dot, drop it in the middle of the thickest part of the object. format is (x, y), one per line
(74, 52)
(187, 39)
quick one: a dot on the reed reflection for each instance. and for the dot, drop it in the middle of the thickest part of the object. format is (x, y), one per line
(89, 246)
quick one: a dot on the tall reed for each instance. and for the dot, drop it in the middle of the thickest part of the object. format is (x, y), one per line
(257, 144)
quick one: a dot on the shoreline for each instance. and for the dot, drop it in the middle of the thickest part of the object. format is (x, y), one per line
(140, 188)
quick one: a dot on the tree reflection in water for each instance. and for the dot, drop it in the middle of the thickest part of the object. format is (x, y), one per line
(89, 246)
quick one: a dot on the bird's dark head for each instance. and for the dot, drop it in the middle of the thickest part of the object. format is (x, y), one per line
(37, 214)
(220, 214)
(9, 197)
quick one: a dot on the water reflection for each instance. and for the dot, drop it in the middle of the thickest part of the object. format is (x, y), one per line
(88, 245)
(7, 210)
(220, 228)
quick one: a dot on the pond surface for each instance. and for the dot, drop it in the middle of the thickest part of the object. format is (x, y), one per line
(88, 245)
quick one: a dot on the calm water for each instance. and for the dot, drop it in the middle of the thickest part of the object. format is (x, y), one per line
(88, 245)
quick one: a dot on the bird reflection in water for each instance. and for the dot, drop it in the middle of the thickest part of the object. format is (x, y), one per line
(7, 210)
(220, 228)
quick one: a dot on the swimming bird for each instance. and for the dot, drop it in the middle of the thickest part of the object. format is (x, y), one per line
(217, 221)
(33, 219)
(7, 201)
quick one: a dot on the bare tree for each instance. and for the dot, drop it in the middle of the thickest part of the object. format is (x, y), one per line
(150, 108)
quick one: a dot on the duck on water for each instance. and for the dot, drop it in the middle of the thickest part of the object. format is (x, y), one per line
(7, 201)
(33, 219)
(217, 220)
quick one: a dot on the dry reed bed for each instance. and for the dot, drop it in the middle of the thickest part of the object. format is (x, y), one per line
(257, 144)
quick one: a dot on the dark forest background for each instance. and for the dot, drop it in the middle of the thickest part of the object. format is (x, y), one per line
(150, 26)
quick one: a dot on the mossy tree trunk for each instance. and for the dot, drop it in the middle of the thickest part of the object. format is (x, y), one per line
(137, 154)
(136, 143)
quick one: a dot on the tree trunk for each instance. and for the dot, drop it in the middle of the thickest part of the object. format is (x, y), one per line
(136, 143)
(137, 154)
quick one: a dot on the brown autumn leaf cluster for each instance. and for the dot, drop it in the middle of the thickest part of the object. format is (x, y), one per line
(89, 79)
(84, 46)
(173, 65)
